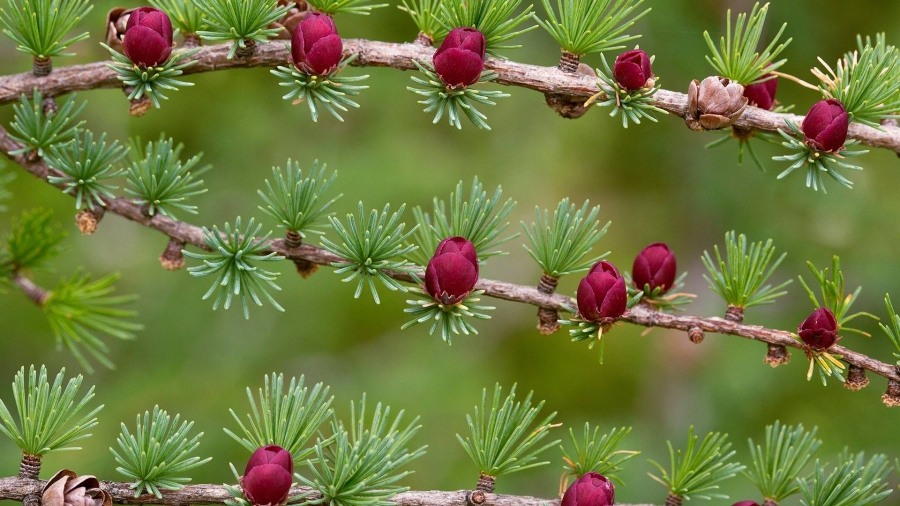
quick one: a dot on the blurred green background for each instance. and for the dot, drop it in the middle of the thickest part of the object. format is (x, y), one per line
(655, 182)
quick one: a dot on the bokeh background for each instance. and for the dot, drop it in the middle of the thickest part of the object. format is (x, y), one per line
(656, 182)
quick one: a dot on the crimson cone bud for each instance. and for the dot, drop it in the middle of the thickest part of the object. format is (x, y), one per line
(453, 271)
(762, 94)
(819, 331)
(268, 476)
(602, 294)
(632, 69)
(316, 46)
(654, 266)
(460, 59)
(148, 37)
(825, 125)
(592, 489)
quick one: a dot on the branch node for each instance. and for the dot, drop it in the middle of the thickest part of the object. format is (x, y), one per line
(41, 67)
(569, 62)
(777, 355)
(172, 259)
(673, 500)
(247, 50)
(191, 40)
(138, 106)
(88, 219)
(891, 397)
(305, 268)
(696, 335)
(856, 378)
(734, 314)
(30, 467)
(569, 106)
(548, 318)
(423, 39)
(485, 485)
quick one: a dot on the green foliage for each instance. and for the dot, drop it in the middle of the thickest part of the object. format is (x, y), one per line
(157, 453)
(849, 484)
(360, 467)
(697, 471)
(240, 21)
(450, 101)
(737, 57)
(47, 413)
(33, 239)
(38, 129)
(817, 163)
(834, 296)
(332, 7)
(866, 81)
(287, 419)
(85, 166)
(297, 202)
(151, 81)
(506, 441)
(39, 26)
(496, 19)
(591, 26)
(451, 319)
(80, 310)
(597, 453)
(893, 332)
(5, 179)
(232, 258)
(777, 465)
(632, 105)
(159, 180)
(478, 219)
(739, 277)
(562, 243)
(371, 247)
(426, 15)
(331, 91)
(185, 15)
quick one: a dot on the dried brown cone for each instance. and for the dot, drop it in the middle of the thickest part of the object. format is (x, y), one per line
(714, 103)
(30, 467)
(291, 19)
(485, 483)
(116, 19)
(568, 106)
(548, 318)
(696, 335)
(172, 259)
(88, 220)
(734, 314)
(66, 488)
(856, 378)
(891, 397)
(777, 355)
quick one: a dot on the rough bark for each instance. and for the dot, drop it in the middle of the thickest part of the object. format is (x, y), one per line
(400, 56)
(17, 489)
(640, 315)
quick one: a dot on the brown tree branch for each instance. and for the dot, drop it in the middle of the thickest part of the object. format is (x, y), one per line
(547, 80)
(186, 233)
(16, 489)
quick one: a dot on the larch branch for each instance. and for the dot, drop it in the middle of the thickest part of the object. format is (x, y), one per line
(641, 315)
(370, 53)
